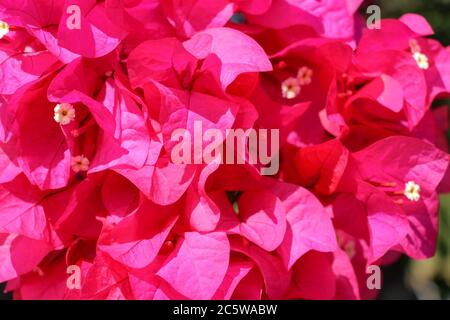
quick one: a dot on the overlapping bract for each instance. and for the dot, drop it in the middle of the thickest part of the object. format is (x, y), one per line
(87, 179)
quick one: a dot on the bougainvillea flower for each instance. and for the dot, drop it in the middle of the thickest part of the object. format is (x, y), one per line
(396, 179)
(136, 240)
(106, 114)
(9, 169)
(79, 216)
(313, 278)
(41, 19)
(16, 258)
(181, 94)
(322, 166)
(190, 17)
(123, 140)
(301, 19)
(186, 101)
(278, 222)
(301, 235)
(39, 146)
(305, 60)
(192, 270)
(275, 276)
(392, 83)
(22, 211)
(23, 59)
(420, 165)
(97, 34)
(236, 52)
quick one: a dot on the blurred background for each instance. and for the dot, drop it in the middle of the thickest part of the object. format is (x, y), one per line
(407, 279)
(426, 279)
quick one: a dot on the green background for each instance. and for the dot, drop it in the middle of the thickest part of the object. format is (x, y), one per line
(426, 279)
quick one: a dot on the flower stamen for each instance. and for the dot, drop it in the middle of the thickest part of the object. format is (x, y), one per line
(80, 163)
(64, 113)
(395, 193)
(412, 191)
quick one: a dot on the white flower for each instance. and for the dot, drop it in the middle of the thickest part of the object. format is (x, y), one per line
(290, 88)
(64, 113)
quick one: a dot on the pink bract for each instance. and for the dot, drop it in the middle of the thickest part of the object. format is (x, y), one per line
(87, 175)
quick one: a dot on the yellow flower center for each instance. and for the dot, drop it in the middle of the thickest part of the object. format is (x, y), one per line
(80, 163)
(350, 249)
(422, 60)
(304, 76)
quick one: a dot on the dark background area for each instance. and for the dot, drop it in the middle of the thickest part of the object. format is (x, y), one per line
(425, 279)
(437, 13)
(4, 296)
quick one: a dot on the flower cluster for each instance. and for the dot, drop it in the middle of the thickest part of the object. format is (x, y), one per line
(92, 91)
